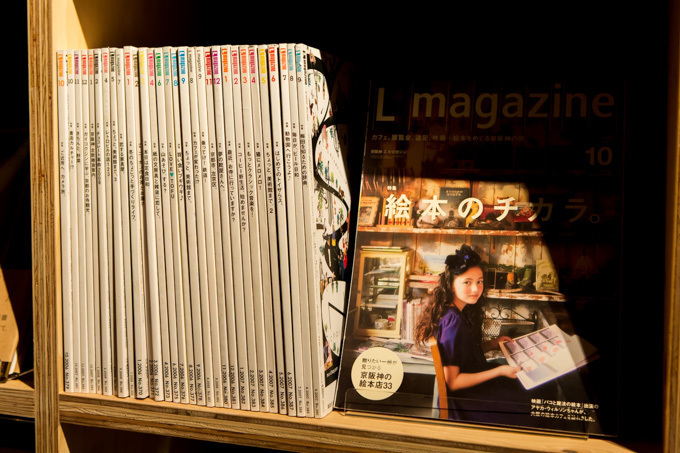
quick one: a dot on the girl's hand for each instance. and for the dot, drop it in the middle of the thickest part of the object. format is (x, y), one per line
(494, 344)
(509, 371)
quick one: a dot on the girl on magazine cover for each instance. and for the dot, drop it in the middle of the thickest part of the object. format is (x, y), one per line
(454, 318)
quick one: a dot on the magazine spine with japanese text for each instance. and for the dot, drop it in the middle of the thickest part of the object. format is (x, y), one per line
(119, 318)
(65, 220)
(95, 156)
(141, 367)
(199, 134)
(285, 361)
(251, 125)
(168, 310)
(88, 330)
(214, 238)
(232, 224)
(156, 355)
(228, 342)
(123, 162)
(237, 66)
(186, 73)
(171, 105)
(105, 224)
(275, 354)
(184, 315)
(199, 219)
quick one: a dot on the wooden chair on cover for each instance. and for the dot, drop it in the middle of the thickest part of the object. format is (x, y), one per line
(441, 381)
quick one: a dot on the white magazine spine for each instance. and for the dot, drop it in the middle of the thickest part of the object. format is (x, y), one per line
(65, 218)
(96, 116)
(80, 318)
(104, 226)
(276, 353)
(212, 357)
(141, 363)
(294, 315)
(285, 360)
(87, 194)
(141, 184)
(123, 163)
(300, 306)
(185, 68)
(298, 160)
(156, 382)
(157, 203)
(223, 249)
(73, 213)
(259, 132)
(179, 251)
(239, 63)
(196, 85)
(170, 313)
(307, 177)
(213, 230)
(246, 52)
(107, 302)
(231, 80)
(119, 319)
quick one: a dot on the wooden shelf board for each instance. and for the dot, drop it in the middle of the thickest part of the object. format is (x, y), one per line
(338, 431)
(17, 398)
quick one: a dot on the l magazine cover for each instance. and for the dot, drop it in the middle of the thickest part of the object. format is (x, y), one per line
(486, 276)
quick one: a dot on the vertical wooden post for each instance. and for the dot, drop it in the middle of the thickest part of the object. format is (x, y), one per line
(44, 227)
(672, 299)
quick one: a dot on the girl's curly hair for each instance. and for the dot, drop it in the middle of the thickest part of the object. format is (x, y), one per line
(465, 258)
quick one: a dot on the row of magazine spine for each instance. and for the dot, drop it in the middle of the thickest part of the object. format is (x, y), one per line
(185, 195)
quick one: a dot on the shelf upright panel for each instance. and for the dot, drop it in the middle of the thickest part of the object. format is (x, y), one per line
(672, 277)
(51, 25)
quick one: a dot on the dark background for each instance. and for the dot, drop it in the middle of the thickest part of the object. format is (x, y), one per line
(567, 40)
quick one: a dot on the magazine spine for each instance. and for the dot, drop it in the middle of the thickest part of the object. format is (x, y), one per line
(322, 400)
(196, 85)
(307, 181)
(232, 119)
(85, 320)
(294, 316)
(268, 236)
(106, 232)
(213, 230)
(285, 357)
(186, 76)
(146, 80)
(157, 204)
(170, 313)
(65, 218)
(180, 252)
(74, 134)
(80, 318)
(241, 80)
(301, 308)
(220, 210)
(250, 125)
(119, 321)
(125, 216)
(96, 112)
(141, 364)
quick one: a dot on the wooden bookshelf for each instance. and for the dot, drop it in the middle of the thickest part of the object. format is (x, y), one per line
(55, 24)
(17, 398)
(336, 432)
